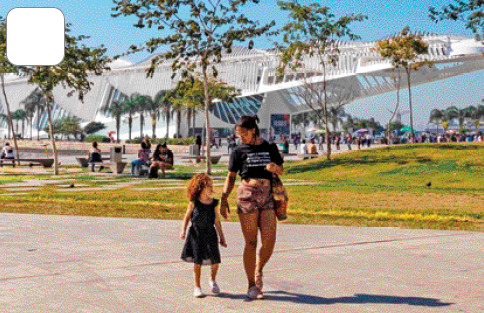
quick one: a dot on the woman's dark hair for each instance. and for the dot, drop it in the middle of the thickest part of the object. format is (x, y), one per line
(144, 145)
(94, 144)
(249, 122)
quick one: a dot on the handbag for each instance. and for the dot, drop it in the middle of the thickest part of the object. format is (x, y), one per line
(281, 199)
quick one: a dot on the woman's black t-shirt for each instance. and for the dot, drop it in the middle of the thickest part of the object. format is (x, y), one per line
(250, 160)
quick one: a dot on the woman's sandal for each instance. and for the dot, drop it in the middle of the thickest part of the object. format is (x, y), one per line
(258, 281)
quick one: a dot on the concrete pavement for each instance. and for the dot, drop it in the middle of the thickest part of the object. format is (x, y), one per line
(87, 264)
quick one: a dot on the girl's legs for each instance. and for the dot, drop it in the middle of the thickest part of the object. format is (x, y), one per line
(268, 227)
(213, 275)
(197, 270)
(248, 223)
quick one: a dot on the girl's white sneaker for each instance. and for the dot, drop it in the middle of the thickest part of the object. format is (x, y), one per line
(214, 286)
(197, 292)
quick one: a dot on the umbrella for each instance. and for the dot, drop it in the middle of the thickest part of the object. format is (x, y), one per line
(450, 131)
(320, 131)
(362, 130)
(405, 129)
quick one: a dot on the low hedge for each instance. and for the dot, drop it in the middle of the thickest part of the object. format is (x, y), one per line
(169, 141)
(97, 138)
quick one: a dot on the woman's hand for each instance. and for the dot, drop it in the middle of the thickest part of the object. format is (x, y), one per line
(224, 207)
(223, 243)
(183, 235)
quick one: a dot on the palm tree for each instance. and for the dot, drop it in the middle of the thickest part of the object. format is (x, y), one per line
(30, 114)
(335, 115)
(351, 123)
(436, 117)
(153, 107)
(36, 101)
(296, 120)
(166, 108)
(117, 109)
(449, 114)
(130, 109)
(4, 118)
(18, 115)
(141, 107)
(478, 115)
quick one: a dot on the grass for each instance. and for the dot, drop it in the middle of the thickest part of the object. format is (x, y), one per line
(379, 187)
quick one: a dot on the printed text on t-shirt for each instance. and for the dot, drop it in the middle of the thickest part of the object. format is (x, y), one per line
(258, 159)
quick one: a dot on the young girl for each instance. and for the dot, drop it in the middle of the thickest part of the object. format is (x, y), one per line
(201, 246)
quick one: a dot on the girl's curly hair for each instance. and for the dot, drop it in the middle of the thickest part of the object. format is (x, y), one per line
(196, 184)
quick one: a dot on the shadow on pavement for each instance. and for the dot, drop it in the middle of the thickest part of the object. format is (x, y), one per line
(357, 298)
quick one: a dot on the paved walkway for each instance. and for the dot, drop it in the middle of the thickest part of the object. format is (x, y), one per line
(85, 264)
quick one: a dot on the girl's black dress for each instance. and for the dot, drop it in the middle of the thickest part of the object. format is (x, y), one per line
(201, 246)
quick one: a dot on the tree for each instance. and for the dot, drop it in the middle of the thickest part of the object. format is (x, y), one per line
(312, 31)
(166, 108)
(117, 109)
(468, 11)
(36, 101)
(4, 118)
(140, 103)
(93, 127)
(190, 93)
(130, 109)
(404, 51)
(7, 67)
(436, 117)
(70, 126)
(449, 114)
(19, 115)
(153, 108)
(79, 61)
(196, 42)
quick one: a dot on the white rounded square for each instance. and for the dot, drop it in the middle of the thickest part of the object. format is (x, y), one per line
(35, 36)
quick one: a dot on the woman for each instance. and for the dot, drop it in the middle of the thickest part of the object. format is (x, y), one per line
(94, 156)
(143, 157)
(255, 160)
(162, 159)
(7, 154)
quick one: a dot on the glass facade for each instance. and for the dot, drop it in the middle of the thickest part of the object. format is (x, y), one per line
(231, 112)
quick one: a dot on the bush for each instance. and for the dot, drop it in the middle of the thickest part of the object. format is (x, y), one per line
(170, 141)
(97, 138)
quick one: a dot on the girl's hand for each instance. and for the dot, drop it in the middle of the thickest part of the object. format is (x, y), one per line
(271, 167)
(183, 235)
(223, 243)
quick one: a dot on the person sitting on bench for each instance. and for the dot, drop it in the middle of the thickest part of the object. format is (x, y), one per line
(143, 155)
(7, 154)
(94, 156)
(162, 160)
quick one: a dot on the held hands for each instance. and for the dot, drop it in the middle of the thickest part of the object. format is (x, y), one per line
(224, 207)
(183, 235)
(271, 167)
(223, 243)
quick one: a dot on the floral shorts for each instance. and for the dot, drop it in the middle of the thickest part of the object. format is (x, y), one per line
(252, 198)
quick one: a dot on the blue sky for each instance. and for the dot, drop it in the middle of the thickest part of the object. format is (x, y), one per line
(385, 17)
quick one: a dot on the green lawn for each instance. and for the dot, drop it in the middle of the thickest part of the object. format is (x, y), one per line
(378, 187)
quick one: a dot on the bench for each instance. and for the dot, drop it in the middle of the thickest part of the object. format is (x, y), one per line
(44, 162)
(84, 162)
(196, 158)
(145, 170)
(308, 156)
(115, 167)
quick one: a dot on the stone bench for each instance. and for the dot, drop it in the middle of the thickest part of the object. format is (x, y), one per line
(308, 156)
(115, 167)
(44, 162)
(196, 158)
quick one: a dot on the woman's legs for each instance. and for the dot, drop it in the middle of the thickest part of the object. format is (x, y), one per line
(248, 223)
(197, 271)
(268, 227)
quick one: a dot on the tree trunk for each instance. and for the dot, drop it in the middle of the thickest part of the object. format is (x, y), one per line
(118, 127)
(178, 123)
(325, 111)
(130, 124)
(207, 123)
(410, 103)
(194, 114)
(9, 115)
(396, 107)
(51, 132)
(167, 135)
(141, 124)
(38, 125)
(153, 126)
